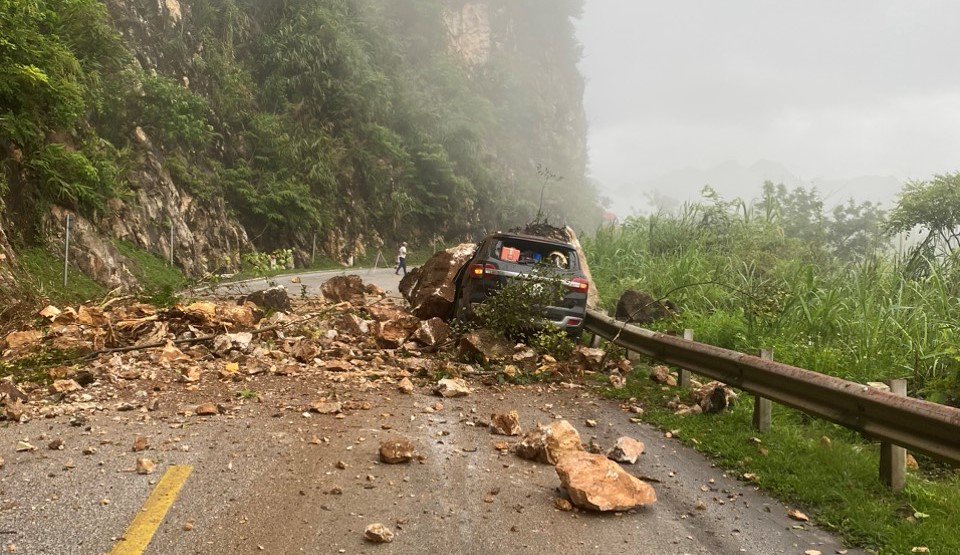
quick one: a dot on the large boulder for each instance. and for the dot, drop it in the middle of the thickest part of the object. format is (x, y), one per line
(641, 308)
(430, 289)
(275, 299)
(484, 346)
(596, 483)
(432, 332)
(339, 289)
(548, 444)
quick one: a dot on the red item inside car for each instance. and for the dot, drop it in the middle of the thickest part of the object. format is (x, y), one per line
(508, 254)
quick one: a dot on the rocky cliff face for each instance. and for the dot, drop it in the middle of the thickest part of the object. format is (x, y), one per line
(279, 124)
(468, 27)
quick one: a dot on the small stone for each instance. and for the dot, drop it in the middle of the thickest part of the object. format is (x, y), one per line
(55, 445)
(591, 423)
(378, 533)
(145, 466)
(452, 387)
(797, 515)
(505, 423)
(188, 527)
(65, 386)
(206, 409)
(396, 450)
(405, 386)
(661, 374)
(627, 450)
(326, 407)
(25, 446)
(562, 504)
(912, 462)
(141, 443)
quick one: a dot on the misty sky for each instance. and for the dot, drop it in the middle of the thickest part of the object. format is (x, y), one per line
(828, 88)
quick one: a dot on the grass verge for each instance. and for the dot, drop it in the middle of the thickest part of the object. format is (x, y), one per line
(834, 480)
(160, 281)
(44, 276)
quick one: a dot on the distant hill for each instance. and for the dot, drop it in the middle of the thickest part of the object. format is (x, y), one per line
(732, 179)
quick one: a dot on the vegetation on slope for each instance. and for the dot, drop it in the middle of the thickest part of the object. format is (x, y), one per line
(338, 117)
(822, 290)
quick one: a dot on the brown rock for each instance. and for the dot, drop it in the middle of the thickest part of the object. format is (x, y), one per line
(589, 358)
(337, 365)
(912, 462)
(430, 289)
(140, 443)
(206, 409)
(595, 482)
(201, 312)
(55, 445)
(19, 340)
(452, 387)
(392, 334)
(339, 289)
(326, 407)
(405, 386)
(715, 397)
(91, 316)
(243, 316)
(352, 324)
(64, 386)
(661, 374)
(274, 299)
(547, 444)
(145, 466)
(190, 374)
(304, 350)
(15, 411)
(797, 515)
(484, 346)
(432, 332)
(505, 423)
(9, 391)
(641, 308)
(562, 504)
(396, 450)
(627, 450)
(378, 533)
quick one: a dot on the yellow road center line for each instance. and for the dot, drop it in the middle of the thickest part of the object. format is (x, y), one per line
(137, 537)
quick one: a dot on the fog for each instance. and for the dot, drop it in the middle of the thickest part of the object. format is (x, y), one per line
(854, 97)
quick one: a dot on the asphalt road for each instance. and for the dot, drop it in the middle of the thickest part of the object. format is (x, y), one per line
(265, 477)
(383, 278)
(259, 485)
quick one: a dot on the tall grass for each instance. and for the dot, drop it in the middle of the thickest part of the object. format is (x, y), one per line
(744, 285)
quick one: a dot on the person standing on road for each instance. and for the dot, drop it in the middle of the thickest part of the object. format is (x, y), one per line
(402, 259)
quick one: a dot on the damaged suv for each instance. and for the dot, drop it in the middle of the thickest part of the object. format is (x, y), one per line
(504, 256)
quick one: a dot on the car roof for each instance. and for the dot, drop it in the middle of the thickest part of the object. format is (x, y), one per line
(528, 237)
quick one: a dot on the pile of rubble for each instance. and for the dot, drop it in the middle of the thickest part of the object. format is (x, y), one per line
(354, 330)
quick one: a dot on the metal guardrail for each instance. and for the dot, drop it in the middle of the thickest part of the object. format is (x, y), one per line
(919, 425)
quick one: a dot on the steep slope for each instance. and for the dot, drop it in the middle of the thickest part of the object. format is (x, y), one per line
(234, 125)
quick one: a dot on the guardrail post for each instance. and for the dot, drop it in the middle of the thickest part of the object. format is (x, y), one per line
(595, 341)
(763, 408)
(893, 458)
(683, 374)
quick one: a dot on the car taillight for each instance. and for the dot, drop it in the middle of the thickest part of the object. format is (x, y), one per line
(477, 271)
(579, 285)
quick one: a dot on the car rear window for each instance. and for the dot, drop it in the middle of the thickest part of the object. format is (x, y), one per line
(529, 253)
